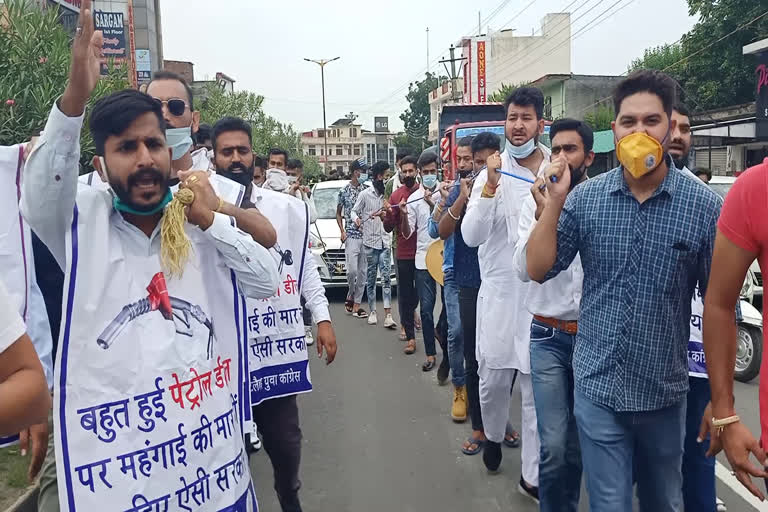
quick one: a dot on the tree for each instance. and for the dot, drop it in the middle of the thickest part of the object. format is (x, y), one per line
(501, 95)
(718, 75)
(34, 67)
(417, 116)
(267, 132)
(600, 118)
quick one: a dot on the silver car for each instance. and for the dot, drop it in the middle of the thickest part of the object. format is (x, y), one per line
(325, 237)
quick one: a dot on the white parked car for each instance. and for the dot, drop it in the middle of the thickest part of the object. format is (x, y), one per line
(325, 237)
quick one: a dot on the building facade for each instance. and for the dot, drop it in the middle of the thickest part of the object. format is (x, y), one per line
(574, 96)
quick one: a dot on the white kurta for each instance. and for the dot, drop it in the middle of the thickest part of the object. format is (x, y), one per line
(148, 406)
(503, 322)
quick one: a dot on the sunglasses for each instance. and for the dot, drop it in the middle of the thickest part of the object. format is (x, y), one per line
(175, 106)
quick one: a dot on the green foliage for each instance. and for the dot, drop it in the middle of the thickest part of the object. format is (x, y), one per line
(500, 96)
(417, 116)
(600, 119)
(719, 75)
(267, 132)
(34, 66)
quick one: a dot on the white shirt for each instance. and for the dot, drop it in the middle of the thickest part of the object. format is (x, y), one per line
(419, 213)
(11, 325)
(503, 321)
(310, 202)
(560, 296)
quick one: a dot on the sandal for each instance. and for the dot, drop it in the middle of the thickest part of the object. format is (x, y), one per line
(360, 313)
(410, 348)
(428, 365)
(468, 450)
(348, 305)
(402, 337)
(514, 442)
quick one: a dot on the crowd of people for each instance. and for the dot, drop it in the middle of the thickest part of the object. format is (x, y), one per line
(165, 302)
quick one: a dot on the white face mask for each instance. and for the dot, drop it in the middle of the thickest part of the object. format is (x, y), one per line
(179, 140)
(524, 151)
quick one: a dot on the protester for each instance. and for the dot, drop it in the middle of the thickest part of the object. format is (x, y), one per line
(259, 170)
(277, 159)
(24, 396)
(503, 326)
(367, 215)
(111, 247)
(645, 235)
(555, 309)
(295, 171)
(742, 237)
(276, 410)
(352, 238)
(408, 298)
(203, 137)
(415, 211)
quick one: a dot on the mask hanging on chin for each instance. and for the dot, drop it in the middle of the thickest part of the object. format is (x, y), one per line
(639, 154)
(179, 140)
(524, 151)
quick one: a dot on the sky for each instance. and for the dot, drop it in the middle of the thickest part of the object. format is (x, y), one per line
(383, 45)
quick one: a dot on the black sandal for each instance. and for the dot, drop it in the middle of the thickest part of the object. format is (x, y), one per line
(428, 365)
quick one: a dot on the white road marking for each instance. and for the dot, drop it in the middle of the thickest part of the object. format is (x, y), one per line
(725, 476)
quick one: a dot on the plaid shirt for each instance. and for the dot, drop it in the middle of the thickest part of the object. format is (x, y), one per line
(641, 265)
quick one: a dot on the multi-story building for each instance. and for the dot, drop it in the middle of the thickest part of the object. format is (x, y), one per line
(348, 141)
(574, 96)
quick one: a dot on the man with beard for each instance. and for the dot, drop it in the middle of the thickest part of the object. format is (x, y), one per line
(503, 323)
(680, 137)
(555, 309)
(408, 299)
(259, 170)
(277, 415)
(645, 234)
(120, 246)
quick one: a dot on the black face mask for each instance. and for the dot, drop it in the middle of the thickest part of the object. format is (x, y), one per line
(237, 172)
(465, 174)
(379, 186)
(409, 181)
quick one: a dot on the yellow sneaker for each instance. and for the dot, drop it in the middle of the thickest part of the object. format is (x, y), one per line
(459, 409)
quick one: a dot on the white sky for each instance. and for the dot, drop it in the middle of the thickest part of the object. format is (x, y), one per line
(383, 44)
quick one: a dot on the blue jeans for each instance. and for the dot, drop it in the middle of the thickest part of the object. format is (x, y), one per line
(378, 260)
(698, 469)
(559, 454)
(455, 335)
(614, 443)
(425, 287)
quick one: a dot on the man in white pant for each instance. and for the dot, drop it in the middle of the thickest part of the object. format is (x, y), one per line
(503, 322)
(352, 238)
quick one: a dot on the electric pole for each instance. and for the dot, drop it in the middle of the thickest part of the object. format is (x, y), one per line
(427, 49)
(453, 60)
(322, 63)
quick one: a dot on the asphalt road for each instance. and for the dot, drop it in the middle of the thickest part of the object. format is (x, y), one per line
(378, 436)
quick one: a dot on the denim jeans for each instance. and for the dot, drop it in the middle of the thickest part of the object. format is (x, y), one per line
(468, 307)
(698, 469)
(613, 444)
(378, 260)
(559, 454)
(425, 286)
(455, 336)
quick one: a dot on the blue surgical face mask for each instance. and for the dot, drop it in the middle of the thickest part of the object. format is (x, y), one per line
(179, 140)
(429, 180)
(363, 177)
(524, 151)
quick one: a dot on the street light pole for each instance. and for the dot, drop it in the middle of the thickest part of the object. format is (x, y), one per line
(322, 63)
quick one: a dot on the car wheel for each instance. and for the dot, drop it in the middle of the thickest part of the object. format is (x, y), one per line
(749, 353)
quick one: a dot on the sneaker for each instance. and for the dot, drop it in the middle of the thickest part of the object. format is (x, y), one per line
(372, 320)
(528, 490)
(308, 336)
(389, 322)
(459, 409)
(721, 506)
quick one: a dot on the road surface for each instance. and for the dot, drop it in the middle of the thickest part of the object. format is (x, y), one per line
(378, 436)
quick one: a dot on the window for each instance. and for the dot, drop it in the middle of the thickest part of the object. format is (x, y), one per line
(321, 133)
(311, 151)
(339, 150)
(339, 169)
(357, 150)
(334, 133)
(353, 133)
(548, 107)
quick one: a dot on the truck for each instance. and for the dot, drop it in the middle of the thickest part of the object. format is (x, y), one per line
(458, 121)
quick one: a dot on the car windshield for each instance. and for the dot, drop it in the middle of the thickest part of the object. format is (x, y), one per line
(721, 188)
(326, 200)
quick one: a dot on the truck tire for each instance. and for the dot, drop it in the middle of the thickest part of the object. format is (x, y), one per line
(749, 353)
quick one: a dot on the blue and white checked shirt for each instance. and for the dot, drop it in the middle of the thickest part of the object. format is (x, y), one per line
(641, 265)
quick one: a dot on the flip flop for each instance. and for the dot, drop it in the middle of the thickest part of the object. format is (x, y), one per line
(468, 451)
(515, 441)
(403, 337)
(348, 305)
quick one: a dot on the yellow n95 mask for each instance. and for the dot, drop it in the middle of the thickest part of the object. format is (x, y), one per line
(639, 153)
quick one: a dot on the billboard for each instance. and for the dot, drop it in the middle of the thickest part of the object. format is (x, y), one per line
(381, 124)
(481, 71)
(143, 66)
(112, 26)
